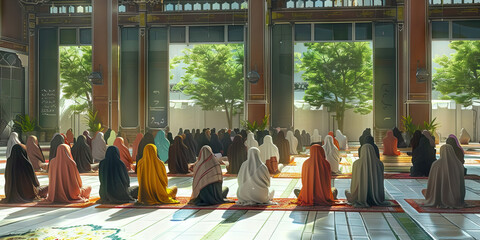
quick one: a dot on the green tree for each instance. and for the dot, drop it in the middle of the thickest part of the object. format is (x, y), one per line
(75, 66)
(458, 77)
(213, 77)
(339, 76)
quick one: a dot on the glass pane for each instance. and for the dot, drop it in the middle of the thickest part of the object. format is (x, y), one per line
(342, 31)
(177, 35)
(158, 81)
(440, 29)
(5, 88)
(17, 88)
(207, 34)
(68, 36)
(466, 29)
(363, 31)
(303, 32)
(129, 77)
(85, 36)
(235, 33)
(323, 32)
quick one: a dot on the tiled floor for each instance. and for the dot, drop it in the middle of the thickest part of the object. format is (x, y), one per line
(222, 224)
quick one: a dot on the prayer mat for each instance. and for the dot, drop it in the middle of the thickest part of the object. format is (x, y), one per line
(43, 203)
(348, 176)
(284, 204)
(3, 161)
(88, 231)
(473, 206)
(472, 161)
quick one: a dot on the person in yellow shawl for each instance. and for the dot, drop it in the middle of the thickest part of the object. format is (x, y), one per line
(152, 179)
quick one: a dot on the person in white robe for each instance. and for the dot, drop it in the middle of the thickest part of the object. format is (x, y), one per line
(342, 140)
(332, 154)
(316, 138)
(12, 141)
(366, 188)
(99, 147)
(251, 142)
(464, 137)
(446, 182)
(270, 156)
(293, 141)
(254, 181)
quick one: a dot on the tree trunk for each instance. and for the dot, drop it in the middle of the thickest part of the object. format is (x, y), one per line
(340, 118)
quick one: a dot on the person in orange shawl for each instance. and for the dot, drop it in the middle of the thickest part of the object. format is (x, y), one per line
(64, 182)
(335, 141)
(316, 183)
(152, 179)
(124, 153)
(390, 145)
(69, 137)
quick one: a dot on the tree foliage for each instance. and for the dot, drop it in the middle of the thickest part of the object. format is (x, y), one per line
(75, 66)
(213, 77)
(339, 76)
(458, 77)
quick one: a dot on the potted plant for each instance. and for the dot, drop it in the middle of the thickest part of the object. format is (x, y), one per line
(254, 127)
(409, 128)
(27, 126)
(93, 123)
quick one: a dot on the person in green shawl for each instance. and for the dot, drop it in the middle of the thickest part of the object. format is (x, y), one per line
(162, 144)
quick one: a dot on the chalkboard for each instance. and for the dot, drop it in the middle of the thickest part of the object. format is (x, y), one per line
(48, 95)
(157, 84)
(129, 50)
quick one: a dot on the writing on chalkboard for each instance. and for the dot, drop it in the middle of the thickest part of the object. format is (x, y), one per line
(157, 117)
(48, 102)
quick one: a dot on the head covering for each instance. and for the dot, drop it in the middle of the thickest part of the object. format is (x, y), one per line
(244, 134)
(202, 140)
(316, 183)
(215, 143)
(458, 150)
(366, 132)
(237, 154)
(464, 137)
(56, 141)
(180, 131)
(192, 146)
(299, 138)
(21, 183)
(206, 171)
(251, 142)
(456, 140)
(88, 138)
(152, 179)
(138, 138)
(232, 135)
(292, 140)
(342, 140)
(82, 155)
(269, 154)
(114, 179)
(179, 156)
(415, 139)
(162, 144)
(253, 180)
(446, 182)
(390, 144)
(332, 154)
(429, 137)
(124, 153)
(107, 134)
(400, 141)
(65, 184)
(422, 158)
(70, 137)
(371, 141)
(226, 142)
(315, 138)
(283, 148)
(12, 141)
(366, 187)
(305, 139)
(99, 147)
(147, 139)
(34, 153)
(335, 141)
(170, 137)
(111, 138)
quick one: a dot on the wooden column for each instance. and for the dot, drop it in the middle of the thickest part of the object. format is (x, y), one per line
(418, 99)
(103, 49)
(256, 99)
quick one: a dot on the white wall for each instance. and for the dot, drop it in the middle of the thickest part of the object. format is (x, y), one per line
(453, 120)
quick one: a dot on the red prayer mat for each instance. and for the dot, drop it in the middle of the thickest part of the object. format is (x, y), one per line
(473, 206)
(284, 204)
(44, 203)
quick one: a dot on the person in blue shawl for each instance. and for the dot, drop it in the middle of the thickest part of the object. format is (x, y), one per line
(162, 144)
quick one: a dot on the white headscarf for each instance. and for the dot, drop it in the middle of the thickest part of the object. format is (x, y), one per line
(342, 140)
(268, 149)
(12, 141)
(253, 180)
(315, 138)
(99, 147)
(446, 182)
(251, 142)
(293, 141)
(367, 180)
(332, 154)
(464, 137)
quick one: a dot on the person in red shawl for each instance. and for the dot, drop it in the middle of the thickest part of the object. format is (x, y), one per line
(316, 183)
(124, 153)
(335, 141)
(390, 145)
